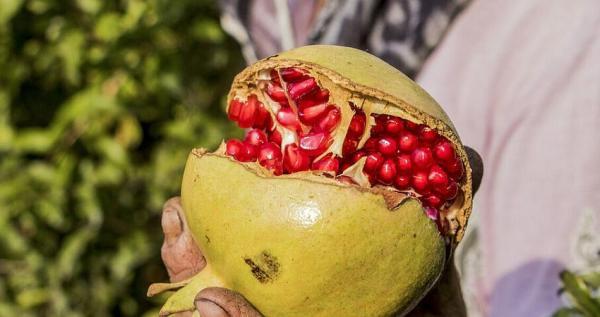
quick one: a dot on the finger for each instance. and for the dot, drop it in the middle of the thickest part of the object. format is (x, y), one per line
(179, 252)
(207, 308)
(171, 222)
(231, 303)
(476, 166)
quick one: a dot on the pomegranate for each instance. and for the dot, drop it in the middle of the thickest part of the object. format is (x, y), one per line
(351, 181)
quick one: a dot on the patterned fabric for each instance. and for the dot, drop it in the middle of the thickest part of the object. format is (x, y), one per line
(402, 32)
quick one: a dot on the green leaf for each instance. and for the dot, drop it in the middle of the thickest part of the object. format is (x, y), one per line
(70, 50)
(108, 27)
(32, 297)
(9, 9)
(37, 141)
(89, 6)
(580, 294)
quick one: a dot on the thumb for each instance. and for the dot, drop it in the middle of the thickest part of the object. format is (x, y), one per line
(221, 302)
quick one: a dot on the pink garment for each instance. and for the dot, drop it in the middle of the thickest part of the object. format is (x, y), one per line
(521, 81)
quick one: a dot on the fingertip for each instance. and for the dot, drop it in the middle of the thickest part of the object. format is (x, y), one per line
(171, 221)
(232, 303)
(207, 308)
(476, 163)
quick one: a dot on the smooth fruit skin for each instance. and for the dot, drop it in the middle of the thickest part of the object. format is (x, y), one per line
(319, 249)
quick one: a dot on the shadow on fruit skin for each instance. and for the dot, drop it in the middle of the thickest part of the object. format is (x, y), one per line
(528, 291)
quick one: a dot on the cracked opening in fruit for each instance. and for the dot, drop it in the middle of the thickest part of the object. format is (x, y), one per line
(298, 120)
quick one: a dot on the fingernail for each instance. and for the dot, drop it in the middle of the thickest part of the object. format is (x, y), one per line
(207, 308)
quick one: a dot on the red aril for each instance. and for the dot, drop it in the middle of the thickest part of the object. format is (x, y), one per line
(437, 177)
(387, 146)
(427, 135)
(432, 213)
(315, 97)
(444, 151)
(433, 200)
(233, 112)
(248, 112)
(449, 191)
(262, 118)
(233, 148)
(275, 137)
(357, 125)
(387, 171)
(394, 126)
(373, 162)
(294, 159)
(269, 156)
(330, 120)
(455, 169)
(314, 143)
(422, 158)
(288, 119)
(350, 145)
(404, 163)
(299, 89)
(402, 181)
(371, 144)
(379, 126)
(357, 156)
(255, 137)
(419, 181)
(269, 151)
(248, 153)
(292, 74)
(276, 93)
(328, 163)
(407, 142)
(308, 115)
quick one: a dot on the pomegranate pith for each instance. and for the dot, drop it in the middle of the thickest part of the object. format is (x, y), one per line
(397, 153)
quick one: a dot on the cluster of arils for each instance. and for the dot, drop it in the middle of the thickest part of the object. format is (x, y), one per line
(296, 126)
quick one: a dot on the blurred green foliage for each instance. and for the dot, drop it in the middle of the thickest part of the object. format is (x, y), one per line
(100, 103)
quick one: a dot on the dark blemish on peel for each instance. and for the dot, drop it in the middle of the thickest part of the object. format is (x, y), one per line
(264, 267)
(258, 273)
(207, 239)
(414, 235)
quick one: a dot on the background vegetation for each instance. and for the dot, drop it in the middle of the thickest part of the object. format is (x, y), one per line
(100, 102)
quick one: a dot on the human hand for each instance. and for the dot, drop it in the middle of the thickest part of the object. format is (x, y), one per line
(184, 259)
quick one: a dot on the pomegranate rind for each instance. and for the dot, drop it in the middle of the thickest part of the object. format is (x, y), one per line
(360, 75)
(303, 246)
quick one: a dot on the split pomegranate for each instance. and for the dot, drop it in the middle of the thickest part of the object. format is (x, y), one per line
(305, 125)
(350, 178)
